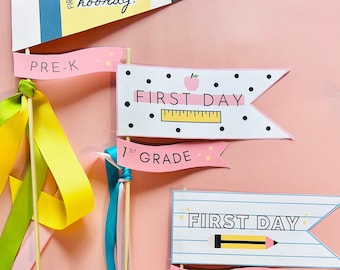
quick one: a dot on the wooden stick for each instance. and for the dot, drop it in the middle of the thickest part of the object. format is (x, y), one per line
(127, 225)
(34, 179)
(181, 266)
(127, 203)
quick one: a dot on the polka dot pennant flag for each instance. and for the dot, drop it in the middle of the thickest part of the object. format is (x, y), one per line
(185, 103)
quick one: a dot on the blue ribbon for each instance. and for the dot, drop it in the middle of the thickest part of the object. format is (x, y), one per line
(114, 181)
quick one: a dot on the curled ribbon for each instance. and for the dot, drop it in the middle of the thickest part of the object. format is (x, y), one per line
(115, 189)
(53, 152)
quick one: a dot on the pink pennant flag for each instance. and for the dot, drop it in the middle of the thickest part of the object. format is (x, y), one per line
(172, 157)
(56, 66)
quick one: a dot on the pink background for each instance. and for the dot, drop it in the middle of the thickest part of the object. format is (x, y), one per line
(300, 35)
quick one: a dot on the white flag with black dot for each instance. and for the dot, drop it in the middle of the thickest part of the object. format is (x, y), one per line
(187, 103)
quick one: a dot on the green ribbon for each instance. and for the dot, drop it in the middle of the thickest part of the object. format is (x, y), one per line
(52, 151)
(21, 214)
(22, 209)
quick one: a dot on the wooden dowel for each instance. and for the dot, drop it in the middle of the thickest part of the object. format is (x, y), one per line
(127, 204)
(34, 179)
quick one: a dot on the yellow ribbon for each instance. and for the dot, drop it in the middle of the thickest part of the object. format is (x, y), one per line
(12, 127)
(73, 184)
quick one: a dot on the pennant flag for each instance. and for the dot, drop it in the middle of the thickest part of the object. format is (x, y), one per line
(39, 21)
(169, 158)
(56, 66)
(250, 229)
(194, 103)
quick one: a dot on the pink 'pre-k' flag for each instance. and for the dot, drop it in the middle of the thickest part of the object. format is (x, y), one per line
(80, 62)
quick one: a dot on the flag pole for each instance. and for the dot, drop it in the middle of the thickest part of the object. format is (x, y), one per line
(33, 178)
(181, 266)
(127, 202)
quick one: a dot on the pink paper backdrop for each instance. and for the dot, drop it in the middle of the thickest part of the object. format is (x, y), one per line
(300, 35)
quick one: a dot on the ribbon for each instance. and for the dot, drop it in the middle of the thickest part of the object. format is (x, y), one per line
(20, 215)
(115, 187)
(53, 152)
(25, 258)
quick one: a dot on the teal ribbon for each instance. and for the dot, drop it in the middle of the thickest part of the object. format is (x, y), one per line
(114, 181)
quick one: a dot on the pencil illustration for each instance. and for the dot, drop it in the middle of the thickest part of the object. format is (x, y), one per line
(243, 241)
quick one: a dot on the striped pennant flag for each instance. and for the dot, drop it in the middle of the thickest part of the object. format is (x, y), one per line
(39, 21)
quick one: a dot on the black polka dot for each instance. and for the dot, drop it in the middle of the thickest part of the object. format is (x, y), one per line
(251, 89)
(221, 128)
(245, 118)
(236, 75)
(268, 128)
(269, 76)
(130, 125)
(151, 115)
(168, 75)
(178, 130)
(216, 84)
(128, 72)
(127, 104)
(148, 81)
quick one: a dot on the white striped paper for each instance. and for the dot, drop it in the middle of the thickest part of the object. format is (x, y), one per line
(286, 219)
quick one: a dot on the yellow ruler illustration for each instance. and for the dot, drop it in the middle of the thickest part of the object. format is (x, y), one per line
(191, 116)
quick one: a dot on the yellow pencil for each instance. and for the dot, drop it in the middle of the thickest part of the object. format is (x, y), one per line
(243, 241)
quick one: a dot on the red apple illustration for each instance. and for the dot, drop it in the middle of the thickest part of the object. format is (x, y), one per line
(191, 82)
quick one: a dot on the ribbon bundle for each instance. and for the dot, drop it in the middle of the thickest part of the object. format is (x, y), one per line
(54, 153)
(114, 213)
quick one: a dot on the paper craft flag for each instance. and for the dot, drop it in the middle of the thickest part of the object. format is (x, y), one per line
(56, 66)
(194, 103)
(169, 158)
(250, 229)
(38, 21)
